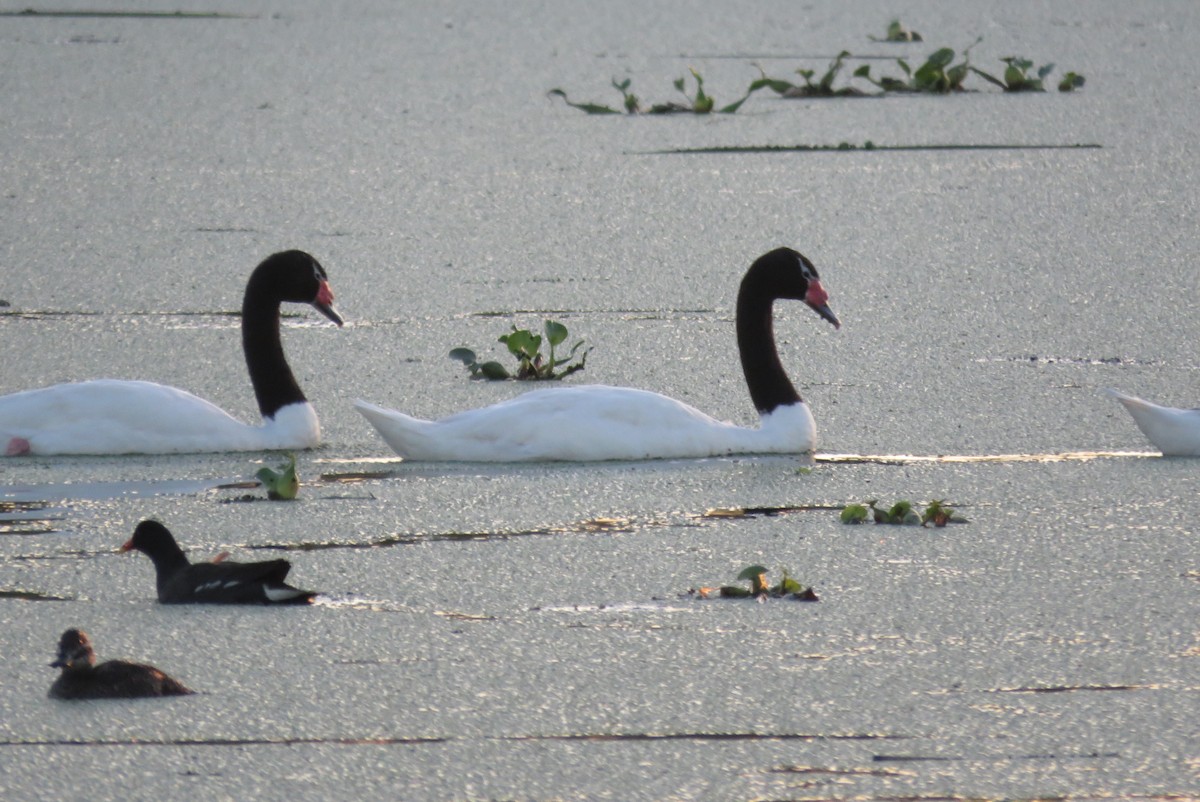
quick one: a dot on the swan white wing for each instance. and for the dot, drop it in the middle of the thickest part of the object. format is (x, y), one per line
(1174, 432)
(108, 416)
(587, 423)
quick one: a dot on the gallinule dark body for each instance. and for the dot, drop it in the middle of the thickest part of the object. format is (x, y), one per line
(227, 582)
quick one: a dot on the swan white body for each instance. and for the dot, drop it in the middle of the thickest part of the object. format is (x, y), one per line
(1174, 432)
(107, 416)
(598, 422)
(590, 422)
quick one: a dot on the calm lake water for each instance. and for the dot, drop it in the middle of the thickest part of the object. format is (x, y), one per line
(526, 632)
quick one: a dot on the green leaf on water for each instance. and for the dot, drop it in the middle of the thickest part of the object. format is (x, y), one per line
(282, 484)
(1070, 82)
(751, 571)
(590, 108)
(494, 371)
(989, 77)
(556, 332)
(941, 57)
(522, 343)
(774, 84)
(854, 514)
(896, 32)
(786, 588)
(787, 585)
(464, 355)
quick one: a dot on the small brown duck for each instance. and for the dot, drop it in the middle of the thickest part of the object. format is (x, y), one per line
(81, 678)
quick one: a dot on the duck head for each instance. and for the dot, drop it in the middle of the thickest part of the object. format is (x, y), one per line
(74, 650)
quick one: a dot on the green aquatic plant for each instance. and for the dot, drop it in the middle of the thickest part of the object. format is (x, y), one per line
(282, 484)
(854, 514)
(899, 513)
(629, 100)
(938, 75)
(698, 101)
(526, 347)
(1016, 75)
(756, 575)
(938, 514)
(479, 370)
(1070, 82)
(587, 108)
(896, 32)
(902, 513)
(822, 87)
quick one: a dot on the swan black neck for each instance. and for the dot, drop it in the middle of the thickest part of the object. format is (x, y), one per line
(769, 384)
(782, 273)
(275, 386)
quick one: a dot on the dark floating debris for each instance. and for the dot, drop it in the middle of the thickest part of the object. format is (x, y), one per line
(993, 758)
(769, 512)
(1050, 359)
(33, 12)
(30, 595)
(847, 147)
(1073, 688)
(705, 736)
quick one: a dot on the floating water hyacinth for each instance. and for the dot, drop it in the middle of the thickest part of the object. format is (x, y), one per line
(901, 513)
(282, 484)
(897, 32)
(756, 575)
(526, 347)
(698, 102)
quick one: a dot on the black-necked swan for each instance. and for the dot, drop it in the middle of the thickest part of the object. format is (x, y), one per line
(598, 422)
(1174, 432)
(107, 416)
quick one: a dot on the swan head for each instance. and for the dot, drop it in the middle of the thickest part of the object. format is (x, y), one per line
(297, 277)
(785, 273)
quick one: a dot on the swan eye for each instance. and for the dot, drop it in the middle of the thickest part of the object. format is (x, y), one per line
(807, 270)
